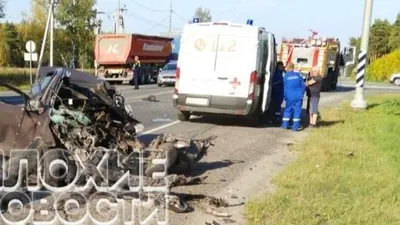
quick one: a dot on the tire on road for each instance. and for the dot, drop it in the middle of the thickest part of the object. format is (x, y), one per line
(57, 176)
(183, 116)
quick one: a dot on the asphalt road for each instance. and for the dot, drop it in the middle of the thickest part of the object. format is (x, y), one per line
(244, 159)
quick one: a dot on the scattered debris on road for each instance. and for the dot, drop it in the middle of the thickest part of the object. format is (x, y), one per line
(213, 212)
(87, 118)
(229, 221)
(213, 223)
(157, 120)
(217, 202)
(151, 98)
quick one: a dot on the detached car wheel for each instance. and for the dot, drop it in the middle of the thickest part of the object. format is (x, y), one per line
(396, 82)
(183, 116)
(169, 153)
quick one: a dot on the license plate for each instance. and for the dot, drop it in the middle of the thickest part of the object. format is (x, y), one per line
(197, 101)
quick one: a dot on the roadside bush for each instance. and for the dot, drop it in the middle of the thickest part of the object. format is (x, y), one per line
(16, 76)
(21, 76)
(382, 68)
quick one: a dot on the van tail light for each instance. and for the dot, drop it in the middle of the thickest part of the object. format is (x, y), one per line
(253, 82)
(177, 77)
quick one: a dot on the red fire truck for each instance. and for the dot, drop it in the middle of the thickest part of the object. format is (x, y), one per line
(308, 52)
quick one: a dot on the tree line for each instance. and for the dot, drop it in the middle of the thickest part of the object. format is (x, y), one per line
(73, 34)
(383, 49)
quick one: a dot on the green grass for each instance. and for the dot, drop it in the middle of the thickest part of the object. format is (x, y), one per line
(348, 172)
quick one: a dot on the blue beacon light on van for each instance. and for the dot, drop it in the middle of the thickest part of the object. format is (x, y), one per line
(196, 20)
(249, 22)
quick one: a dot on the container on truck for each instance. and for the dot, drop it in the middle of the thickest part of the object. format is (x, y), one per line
(115, 55)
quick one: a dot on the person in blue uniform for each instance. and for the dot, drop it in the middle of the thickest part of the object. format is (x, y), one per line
(294, 89)
(277, 92)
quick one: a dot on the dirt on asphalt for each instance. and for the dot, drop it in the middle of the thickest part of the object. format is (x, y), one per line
(240, 166)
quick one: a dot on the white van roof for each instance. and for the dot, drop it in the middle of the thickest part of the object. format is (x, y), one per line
(223, 22)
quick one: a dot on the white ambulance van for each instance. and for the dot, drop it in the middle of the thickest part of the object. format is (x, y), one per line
(224, 68)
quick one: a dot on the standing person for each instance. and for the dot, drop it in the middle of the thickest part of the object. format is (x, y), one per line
(277, 92)
(294, 88)
(314, 84)
(135, 68)
(308, 93)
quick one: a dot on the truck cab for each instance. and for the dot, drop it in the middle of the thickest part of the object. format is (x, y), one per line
(309, 52)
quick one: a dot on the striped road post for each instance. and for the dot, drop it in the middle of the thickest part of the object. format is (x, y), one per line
(359, 101)
(362, 63)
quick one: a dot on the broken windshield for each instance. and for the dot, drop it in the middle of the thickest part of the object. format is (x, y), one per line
(42, 84)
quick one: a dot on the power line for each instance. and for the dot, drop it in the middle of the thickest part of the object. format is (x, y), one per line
(150, 9)
(146, 20)
(179, 16)
(154, 26)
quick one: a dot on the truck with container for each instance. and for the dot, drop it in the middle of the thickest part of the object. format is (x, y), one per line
(314, 51)
(115, 53)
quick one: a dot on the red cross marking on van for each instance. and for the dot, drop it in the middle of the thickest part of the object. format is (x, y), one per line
(235, 82)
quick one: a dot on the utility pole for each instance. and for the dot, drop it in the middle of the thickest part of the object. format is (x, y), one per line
(52, 32)
(117, 19)
(170, 17)
(359, 101)
(43, 43)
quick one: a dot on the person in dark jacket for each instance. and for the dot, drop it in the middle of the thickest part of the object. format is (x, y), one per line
(135, 68)
(294, 88)
(314, 85)
(277, 92)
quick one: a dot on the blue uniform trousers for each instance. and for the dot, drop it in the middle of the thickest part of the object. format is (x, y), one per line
(278, 99)
(293, 106)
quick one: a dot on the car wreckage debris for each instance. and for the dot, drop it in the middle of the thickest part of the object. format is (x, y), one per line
(88, 118)
(84, 133)
(151, 98)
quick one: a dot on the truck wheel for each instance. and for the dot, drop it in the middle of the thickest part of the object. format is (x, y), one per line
(148, 77)
(334, 80)
(118, 82)
(183, 116)
(334, 85)
(160, 85)
(142, 79)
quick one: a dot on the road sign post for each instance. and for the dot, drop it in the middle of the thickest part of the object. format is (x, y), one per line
(30, 56)
(359, 101)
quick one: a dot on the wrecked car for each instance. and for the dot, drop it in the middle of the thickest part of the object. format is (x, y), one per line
(81, 113)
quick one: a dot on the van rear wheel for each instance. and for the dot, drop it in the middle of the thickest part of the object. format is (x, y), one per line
(183, 116)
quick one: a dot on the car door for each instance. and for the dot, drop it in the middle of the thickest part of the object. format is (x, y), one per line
(270, 69)
(35, 124)
(10, 121)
